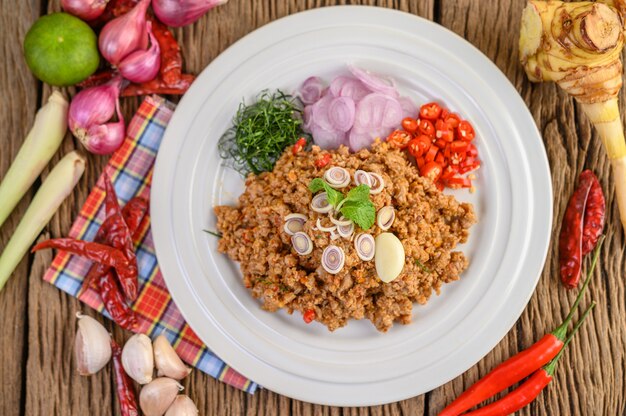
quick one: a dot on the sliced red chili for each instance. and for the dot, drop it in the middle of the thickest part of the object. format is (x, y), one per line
(458, 146)
(431, 170)
(457, 182)
(431, 154)
(426, 127)
(308, 316)
(299, 145)
(420, 162)
(440, 159)
(472, 150)
(465, 131)
(452, 120)
(443, 131)
(441, 143)
(409, 124)
(323, 160)
(414, 149)
(399, 139)
(430, 111)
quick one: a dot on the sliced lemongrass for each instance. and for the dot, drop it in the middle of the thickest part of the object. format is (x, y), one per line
(302, 243)
(342, 221)
(294, 223)
(320, 227)
(333, 259)
(320, 204)
(346, 231)
(378, 183)
(385, 218)
(365, 246)
(337, 177)
(362, 178)
(334, 235)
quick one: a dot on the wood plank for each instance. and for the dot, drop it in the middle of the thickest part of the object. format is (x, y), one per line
(17, 113)
(585, 383)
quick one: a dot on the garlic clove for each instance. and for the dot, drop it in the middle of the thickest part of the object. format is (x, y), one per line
(138, 359)
(168, 363)
(158, 395)
(182, 406)
(92, 345)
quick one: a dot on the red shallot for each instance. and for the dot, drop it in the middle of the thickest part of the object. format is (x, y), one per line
(89, 112)
(125, 34)
(311, 90)
(85, 9)
(179, 13)
(142, 65)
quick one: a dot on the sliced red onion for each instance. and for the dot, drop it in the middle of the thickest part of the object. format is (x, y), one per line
(377, 110)
(409, 109)
(333, 259)
(337, 177)
(327, 139)
(365, 246)
(375, 83)
(386, 216)
(341, 113)
(378, 183)
(319, 113)
(320, 204)
(343, 221)
(311, 90)
(307, 119)
(294, 223)
(346, 231)
(302, 243)
(362, 177)
(320, 227)
(348, 87)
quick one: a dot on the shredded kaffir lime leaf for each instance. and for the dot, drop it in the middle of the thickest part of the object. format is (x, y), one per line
(261, 132)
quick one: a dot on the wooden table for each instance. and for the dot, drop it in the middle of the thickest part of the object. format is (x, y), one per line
(37, 367)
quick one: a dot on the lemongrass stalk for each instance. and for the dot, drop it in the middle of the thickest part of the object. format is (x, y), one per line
(40, 145)
(52, 192)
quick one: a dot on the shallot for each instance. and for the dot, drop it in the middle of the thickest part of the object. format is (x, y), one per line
(85, 9)
(142, 65)
(88, 115)
(179, 13)
(354, 110)
(125, 34)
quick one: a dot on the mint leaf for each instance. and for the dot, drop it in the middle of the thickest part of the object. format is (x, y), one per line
(360, 193)
(362, 212)
(334, 196)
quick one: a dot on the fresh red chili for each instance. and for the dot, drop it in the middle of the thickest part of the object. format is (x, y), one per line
(431, 170)
(430, 111)
(571, 236)
(443, 131)
(452, 120)
(524, 363)
(97, 252)
(425, 127)
(299, 145)
(308, 316)
(409, 124)
(399, 139)
(431, 154)
(124, 385)
(465, 131)
(593, 222)
(323, 161)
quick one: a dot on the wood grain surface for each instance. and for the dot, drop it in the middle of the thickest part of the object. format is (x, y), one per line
(37, 366)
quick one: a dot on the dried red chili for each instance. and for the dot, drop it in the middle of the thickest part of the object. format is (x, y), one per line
(114, 302)
(572, 234)
(124, 385)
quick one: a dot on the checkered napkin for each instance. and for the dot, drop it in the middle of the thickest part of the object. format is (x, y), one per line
(130, 170)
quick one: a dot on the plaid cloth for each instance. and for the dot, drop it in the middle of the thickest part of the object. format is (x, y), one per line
(130, 170)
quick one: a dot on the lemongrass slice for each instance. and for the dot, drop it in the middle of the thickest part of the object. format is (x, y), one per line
(365, 246)
(334, 236)
(337, 177)
(294, 223)
(320, 227)
(362, 178)
(378, 184)
(320, 204)
(333, 259)
(385, 218)
(302, 243)
(342, 221)
(346, 231)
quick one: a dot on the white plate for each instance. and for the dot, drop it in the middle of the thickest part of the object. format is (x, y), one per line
(355, 365)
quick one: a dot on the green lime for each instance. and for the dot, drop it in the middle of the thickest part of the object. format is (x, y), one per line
(61, 49)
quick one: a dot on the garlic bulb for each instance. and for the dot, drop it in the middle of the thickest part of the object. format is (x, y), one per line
(92, 345)
(137, 358)
(157, 396)
(182, 406)
(168, 363)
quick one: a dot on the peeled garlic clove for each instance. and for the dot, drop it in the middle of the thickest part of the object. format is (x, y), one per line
(182, 406)
(158, 395)
(92, 345)
(168, 363)
(389, 257)
(137, 358)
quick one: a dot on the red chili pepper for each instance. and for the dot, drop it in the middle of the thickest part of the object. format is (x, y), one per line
(530, 389)
(114, 302)
(522, 364)
(571, 237)
(457, 182)
(431, 170)
(323, 160)
(98, 78)
(425, 127)
(593, 222)
(430, 111)
(452, 120)
(308, 316)
(458, 146)
(465, 131)
(443, 131)
(409, 124)
(399, 139)
(124, 385)
(431, 154)
(97, 252)
(298, 146)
